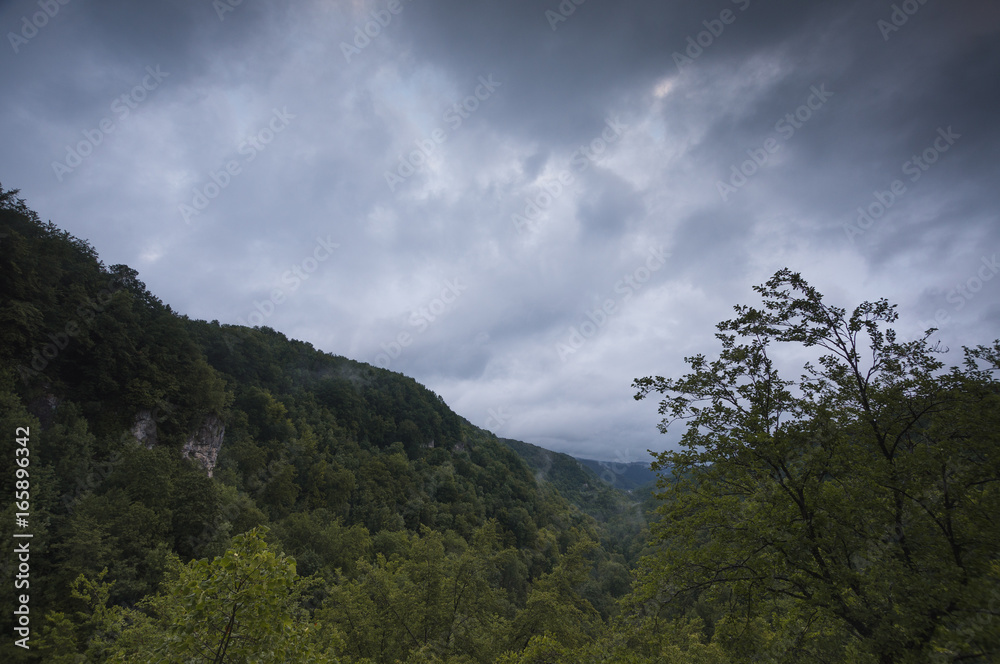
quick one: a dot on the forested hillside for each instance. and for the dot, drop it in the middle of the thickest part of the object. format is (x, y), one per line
(208, 492)
(623, 518)
(353, 471)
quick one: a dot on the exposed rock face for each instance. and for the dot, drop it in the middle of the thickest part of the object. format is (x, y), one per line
(144, 429)
(204, 444)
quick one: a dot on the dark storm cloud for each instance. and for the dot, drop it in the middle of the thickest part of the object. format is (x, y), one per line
(532, 165)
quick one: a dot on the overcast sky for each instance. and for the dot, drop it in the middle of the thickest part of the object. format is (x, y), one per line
(523, 205)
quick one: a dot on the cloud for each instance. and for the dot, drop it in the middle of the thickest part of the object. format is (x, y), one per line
(410, 101)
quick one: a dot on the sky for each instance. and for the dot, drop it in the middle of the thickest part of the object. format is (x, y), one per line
(522, 205)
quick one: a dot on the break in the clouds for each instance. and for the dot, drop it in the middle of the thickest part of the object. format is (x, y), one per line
(523, 205)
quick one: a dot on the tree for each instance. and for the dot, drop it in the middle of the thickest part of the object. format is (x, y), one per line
(555, 607)
(438, 598)
(851, 512)
(243, 606)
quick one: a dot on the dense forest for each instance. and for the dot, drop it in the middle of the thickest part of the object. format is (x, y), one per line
(202, 492)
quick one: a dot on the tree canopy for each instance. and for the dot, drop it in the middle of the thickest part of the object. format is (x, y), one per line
(847, 515)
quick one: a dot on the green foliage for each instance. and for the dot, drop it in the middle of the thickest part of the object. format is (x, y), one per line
(852, 511)
(555, 606)
(543, 649)
(110, 531)
(322, 545)
(441, 597)
(622, 517)
(243, 606)
(97, 626)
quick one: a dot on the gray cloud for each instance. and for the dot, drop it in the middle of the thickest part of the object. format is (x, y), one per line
(386, 103)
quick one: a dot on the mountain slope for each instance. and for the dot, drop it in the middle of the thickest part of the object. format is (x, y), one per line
(157, 437)
(623, 517)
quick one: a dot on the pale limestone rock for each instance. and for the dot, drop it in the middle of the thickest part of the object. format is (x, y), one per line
(205, 443)
(144, 428)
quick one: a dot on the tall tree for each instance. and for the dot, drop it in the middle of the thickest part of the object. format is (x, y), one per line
(243, 606)
(851, 514)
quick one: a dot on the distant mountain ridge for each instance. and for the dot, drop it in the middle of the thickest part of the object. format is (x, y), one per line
(568, 472)
(625, 476)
